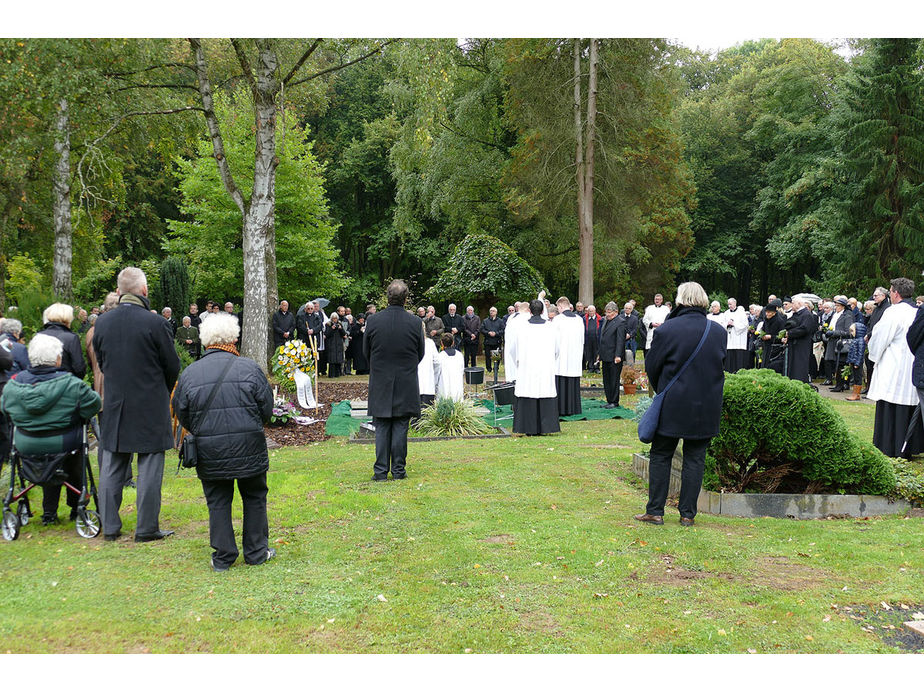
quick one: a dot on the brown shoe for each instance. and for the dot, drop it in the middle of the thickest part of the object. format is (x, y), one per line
(686, 522)
(855, 397)
(651, 519)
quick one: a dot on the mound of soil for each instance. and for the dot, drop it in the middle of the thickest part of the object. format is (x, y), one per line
(328, 393)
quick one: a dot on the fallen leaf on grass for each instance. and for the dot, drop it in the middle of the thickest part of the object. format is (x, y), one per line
(809, 638)
(381, 598)
(600, 595)
(826, 619)
(721, 631)
(599, 563)
(752, 650)
(886, 606)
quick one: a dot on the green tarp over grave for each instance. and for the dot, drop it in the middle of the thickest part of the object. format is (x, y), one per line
(340, 423)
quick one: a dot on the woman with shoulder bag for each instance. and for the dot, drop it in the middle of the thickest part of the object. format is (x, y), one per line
(685, 365)
(223, 400)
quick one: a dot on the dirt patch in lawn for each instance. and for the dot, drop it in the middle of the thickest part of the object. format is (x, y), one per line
(777, 572)
(540, 622)
(668, 573)
(499, 539)
(328, 393)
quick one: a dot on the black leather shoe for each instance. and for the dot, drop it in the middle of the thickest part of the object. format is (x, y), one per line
(609, 405)
(142, 538)
(650, 519)
(49, 521)
(380, 478)
(112, 537)
(399, 477)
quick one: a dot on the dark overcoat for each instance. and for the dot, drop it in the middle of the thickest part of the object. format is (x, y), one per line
(773, 326)
(495, 325)
(394, 346)
(692, 408)
(333, 341)
(800, 329)
(841, 331)
(612, 339)
(915, 339)
(72, 358)
(135, 352)
(450, 321)
(282, 323)
(229, 434)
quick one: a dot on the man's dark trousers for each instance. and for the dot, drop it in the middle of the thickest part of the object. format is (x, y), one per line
(390, 446)
(659, 474)
(219, 493)
(611, 374)
(471, 352)
(114, 469)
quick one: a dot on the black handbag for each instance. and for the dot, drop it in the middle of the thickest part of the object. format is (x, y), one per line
(189, 451)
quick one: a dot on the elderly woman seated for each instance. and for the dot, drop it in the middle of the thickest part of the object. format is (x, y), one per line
(48, 406)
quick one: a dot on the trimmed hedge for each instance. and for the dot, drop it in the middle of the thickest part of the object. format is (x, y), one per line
(779, 435)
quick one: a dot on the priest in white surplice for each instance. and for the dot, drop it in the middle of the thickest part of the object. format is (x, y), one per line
(535, 410)
(426, 374)
(653, 317)
(570, 328)
(735, 322)
(450, 370)
(516, 320)
(891, 388)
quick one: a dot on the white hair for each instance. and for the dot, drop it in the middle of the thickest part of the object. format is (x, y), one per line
(452, 305)
(220, 328)
(131, 280)
(45, 350)
(60, 313)
(610, 307)
(11, 325)
(692, 294)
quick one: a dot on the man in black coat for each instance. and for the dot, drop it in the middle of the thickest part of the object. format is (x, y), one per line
(471, 330)
(612, 351)
(394, 346)
(452, 323)
(492, 327)
(692, 407)
(800, 329)
(135, 351)
(915, 339)
(283, 325)
(880, 296)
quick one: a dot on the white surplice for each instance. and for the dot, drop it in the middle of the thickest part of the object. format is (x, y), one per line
(892, 356)
(426, 369)
(535, 354)
(654, 314)
(514, 322)
(738, 333)
(450, 378)
(570, 330)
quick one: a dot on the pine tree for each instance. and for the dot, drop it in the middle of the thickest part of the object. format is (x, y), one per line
(174, 284)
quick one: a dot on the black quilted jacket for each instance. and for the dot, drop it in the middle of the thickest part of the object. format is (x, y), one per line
(229, 436)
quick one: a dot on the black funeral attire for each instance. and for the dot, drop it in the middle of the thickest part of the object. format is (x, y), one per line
(497, 326)
(357, 337)
(593, 324)
(692, 407)
(471, 330)
(837, 330)
(454, 321)
(283, 323)
(915, 339)
(301, 325)
(773, 349)
(72, 359)
(612, 345)
(135, 351)
(333, 340)
(231, 447)
(800, 329)
(393, 346)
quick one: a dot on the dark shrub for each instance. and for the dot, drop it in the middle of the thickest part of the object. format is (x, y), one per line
(779, 435)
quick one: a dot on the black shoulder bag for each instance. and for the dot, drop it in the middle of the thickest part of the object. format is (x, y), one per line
(189, 453)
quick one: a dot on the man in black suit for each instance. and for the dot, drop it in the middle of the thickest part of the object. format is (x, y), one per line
(612, 350)
(454, 325)
(394, 346)
(799, 330)
(134, 349)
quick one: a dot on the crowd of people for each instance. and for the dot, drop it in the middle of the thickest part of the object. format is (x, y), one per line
(414, 357)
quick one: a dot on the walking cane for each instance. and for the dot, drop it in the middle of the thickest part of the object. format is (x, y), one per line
(317, 374)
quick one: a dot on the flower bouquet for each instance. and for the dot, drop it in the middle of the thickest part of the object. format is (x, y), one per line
(283, 411)
(292, 356)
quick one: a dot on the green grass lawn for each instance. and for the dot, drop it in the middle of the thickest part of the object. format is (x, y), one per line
(514, 545)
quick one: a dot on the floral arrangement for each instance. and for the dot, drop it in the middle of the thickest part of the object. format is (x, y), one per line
(292, 356)
(629, 376)
(642, 381)
(283, 411)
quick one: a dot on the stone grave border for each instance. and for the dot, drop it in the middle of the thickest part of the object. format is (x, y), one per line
(796, 506)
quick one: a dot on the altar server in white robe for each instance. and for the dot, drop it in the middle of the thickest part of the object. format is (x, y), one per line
(568, 371)
(735, 322)
(892, 388)
(450, 371)
(426, 374)
(715, 314)
(535, 410)
(514, 323)
(654, 315)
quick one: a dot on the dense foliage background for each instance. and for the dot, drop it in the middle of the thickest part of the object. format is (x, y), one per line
(772, 166)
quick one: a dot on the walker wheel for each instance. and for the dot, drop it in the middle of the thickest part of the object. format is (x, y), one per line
(24, 513)
(88, 523)
(10, 525)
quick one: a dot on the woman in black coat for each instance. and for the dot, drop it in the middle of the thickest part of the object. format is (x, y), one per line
(333, 340)
(58, 318)
(357, 335)
(692, 407)
(229, 438)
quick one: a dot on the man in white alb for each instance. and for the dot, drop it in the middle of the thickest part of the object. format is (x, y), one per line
(654, 316)
(570, 328)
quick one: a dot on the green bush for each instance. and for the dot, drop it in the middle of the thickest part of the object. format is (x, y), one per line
(779, 435)
(909, 480)
(448, 417)
(32, 303)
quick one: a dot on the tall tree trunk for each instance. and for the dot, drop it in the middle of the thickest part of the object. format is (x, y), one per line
(61, 268)
(585, 265)
(586, 287)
